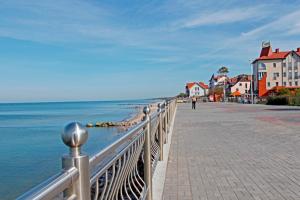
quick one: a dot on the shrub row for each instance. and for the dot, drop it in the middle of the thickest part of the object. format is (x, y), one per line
(283, 100)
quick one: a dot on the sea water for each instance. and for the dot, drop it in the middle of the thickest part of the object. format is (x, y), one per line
(30, 138)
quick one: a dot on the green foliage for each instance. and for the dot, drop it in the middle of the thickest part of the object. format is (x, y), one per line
(284, 100)
(294, 101)
(284, 92)
(278, 100)
(297, 92)
(223, 70)
(182, 95)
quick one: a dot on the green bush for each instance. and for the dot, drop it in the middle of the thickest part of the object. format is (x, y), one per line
(294, 101)
(284, 100)
(278, 100)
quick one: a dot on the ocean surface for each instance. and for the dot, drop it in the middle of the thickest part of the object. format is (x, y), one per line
(30, 137)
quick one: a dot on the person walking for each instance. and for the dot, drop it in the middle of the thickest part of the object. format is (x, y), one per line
(194, 100)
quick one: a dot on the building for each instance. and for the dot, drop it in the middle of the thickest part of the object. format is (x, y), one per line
(217, 81)
(275, 69)
(198, 89)
(240, 84)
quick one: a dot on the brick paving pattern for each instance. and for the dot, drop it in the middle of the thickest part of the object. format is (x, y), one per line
(234, 152)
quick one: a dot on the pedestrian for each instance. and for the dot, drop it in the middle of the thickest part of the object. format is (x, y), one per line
(194, 100)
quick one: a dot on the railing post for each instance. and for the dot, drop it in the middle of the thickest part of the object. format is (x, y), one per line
(160, 133)
(74, 136)
(147, 155)
(166, 122)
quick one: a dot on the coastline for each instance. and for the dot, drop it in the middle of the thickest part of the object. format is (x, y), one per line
(127, 122)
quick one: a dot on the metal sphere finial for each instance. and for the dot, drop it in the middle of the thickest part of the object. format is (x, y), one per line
(146, 110)
(159, 107)
(74, 135)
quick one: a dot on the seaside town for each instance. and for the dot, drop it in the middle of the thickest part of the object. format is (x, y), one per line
(149, 100)
(274, 80)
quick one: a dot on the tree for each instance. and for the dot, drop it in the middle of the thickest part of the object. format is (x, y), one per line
(182, 95)
(297, 92)
(223, 70)
(284, 92)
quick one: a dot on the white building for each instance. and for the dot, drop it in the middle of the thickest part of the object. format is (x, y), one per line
(217, 81)
(276, 69)
(241, 84)
(198, 89)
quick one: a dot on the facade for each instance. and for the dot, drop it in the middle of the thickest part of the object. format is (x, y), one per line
(198, 89)
(276, 69)
(240, 84)
(217, 81)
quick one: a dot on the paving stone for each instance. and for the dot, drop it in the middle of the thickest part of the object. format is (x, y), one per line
(227, 151)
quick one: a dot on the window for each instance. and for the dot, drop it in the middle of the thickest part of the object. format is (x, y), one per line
(246, 91)
(269, 84)
(276, 83)
(290, 83)
(283, 64)
(290, 66)
(284, 74)
(240, 84)
(290, 75)
(246, 85)
(296, 75)
(296, 83)
(274, 64)
(284, 83)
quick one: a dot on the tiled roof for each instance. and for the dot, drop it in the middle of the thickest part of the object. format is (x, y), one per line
(267, 54)
(203, 85)
(274, 55)
(190, 85)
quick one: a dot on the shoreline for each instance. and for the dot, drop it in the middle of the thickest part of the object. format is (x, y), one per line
(127, 122)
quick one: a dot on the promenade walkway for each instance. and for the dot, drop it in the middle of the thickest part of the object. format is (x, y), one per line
(234, 151)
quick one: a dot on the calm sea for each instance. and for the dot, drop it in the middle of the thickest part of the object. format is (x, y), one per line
(30, 142)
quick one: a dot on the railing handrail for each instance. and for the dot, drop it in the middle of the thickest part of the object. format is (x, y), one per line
(115, 145)
(55, 184)
(81, 174)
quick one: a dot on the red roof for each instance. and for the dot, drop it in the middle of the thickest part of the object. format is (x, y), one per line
(203, 85)
(190, 85)
(279, 55)
(265, 51)
(267, 54)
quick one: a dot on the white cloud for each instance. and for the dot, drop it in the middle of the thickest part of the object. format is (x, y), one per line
(224, 16)
(282, 26)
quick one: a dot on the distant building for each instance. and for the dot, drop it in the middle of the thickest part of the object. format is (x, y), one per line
(196, 89)
(275, 69)
(217, 81)
(240, 84)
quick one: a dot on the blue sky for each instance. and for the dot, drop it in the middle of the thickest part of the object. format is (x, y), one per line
(127, 49)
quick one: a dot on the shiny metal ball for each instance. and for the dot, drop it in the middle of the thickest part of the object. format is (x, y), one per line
(74, 135)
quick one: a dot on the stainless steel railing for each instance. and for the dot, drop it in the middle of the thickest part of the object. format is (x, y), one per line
(123, 170)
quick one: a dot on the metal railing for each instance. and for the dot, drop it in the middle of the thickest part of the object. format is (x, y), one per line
(123, 170)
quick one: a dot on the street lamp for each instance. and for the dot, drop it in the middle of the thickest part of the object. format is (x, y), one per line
(251, 82)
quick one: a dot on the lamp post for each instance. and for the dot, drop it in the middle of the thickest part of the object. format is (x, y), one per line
(251, 82)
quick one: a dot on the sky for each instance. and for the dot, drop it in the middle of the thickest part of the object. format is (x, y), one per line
(70, 50)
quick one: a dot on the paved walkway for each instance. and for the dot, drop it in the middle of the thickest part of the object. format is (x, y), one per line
(234, 151)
